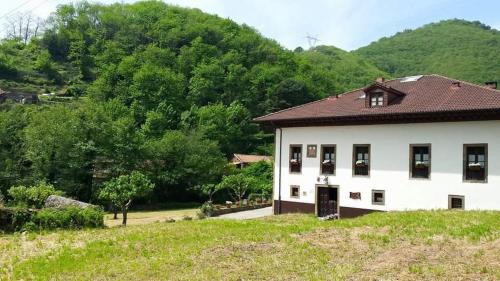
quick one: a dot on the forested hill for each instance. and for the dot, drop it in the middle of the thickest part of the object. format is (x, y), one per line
(159, 89)
(456, 48)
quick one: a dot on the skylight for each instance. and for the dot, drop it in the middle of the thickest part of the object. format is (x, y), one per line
(410, 78)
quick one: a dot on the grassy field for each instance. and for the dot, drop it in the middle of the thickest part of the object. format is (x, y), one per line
(441, 245)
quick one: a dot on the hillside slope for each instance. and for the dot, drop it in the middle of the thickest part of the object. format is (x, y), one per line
(348, 71)
(456, 48)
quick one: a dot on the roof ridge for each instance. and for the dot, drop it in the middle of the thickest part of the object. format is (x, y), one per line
(465, 82)
(362, 88)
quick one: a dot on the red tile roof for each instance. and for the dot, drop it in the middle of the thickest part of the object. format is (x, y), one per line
(429, 94)
(247, 158)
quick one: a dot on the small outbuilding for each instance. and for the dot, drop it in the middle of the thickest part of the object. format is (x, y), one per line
(243, 160)
(19, 97)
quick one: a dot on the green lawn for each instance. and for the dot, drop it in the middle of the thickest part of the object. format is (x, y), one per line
(441, 245)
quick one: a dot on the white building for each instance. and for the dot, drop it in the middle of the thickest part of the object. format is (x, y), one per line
(422, 142)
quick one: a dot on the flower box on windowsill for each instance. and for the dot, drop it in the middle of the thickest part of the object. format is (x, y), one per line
(474, 166)
(421, 165)
(328, 162)
(294, 162)
(360, 163)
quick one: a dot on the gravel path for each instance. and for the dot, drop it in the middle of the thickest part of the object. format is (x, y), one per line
(245, 215)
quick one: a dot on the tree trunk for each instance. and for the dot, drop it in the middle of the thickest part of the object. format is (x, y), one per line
(113, 208)
(124, 211)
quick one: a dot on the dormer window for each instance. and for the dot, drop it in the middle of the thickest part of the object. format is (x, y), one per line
(378, 95)
(376, 99)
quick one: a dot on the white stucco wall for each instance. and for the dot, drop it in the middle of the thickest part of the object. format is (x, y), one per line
(390, 164)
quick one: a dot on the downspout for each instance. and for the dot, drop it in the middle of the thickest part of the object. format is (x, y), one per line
(279, 172)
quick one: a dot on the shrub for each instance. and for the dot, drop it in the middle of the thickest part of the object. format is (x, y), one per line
(207, 209)
(7, 67)
(201, 215)
(32, 197)
(18, 218)
(69, 218)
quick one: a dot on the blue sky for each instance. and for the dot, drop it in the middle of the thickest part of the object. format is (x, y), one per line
(342, 23)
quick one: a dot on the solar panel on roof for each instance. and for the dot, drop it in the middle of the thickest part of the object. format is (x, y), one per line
(411, 78)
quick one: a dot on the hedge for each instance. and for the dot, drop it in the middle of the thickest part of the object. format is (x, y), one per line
(16, 219)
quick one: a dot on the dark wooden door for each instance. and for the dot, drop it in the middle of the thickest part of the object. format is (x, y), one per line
(327, 201)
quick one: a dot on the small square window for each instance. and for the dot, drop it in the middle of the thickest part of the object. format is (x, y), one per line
(294, 191)
(377, 99)
(378, 197)
(456, 202)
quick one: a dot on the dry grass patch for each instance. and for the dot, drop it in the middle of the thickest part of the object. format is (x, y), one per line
(385, 255)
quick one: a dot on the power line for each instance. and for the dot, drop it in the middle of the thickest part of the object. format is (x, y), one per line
(15, 9)
(311, 41)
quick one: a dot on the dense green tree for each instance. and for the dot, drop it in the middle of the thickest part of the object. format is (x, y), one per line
(229, 125)
(55, 147)
(14, 166)
(179, 161)
(238, 185)
(262, 172)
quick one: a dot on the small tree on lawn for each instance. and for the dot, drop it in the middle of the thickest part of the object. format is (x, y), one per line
(122, 190)
(262, 172)
(237, 184)
(209, 190)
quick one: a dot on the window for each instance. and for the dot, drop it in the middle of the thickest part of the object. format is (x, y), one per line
(476, 162)
(294, 191)
(456, 202)
(361, 159)
(420, 161)
(295, 158)
(378, 197)
(377, 99)
(328, 159)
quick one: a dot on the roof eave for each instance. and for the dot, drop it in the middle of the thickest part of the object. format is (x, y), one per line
(396, 118)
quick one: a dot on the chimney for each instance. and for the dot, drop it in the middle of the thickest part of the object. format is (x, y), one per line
(491, 84)
(380, 79)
